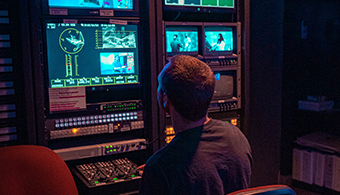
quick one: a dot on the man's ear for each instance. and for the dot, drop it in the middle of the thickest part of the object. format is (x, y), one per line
(165, 102)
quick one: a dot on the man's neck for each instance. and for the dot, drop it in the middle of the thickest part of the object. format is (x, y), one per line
(181, 124)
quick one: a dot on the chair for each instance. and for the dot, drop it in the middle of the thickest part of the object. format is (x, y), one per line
(34, 170)
(266, 190)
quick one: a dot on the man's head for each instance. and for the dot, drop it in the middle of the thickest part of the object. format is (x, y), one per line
(175, 37)
(188, 84)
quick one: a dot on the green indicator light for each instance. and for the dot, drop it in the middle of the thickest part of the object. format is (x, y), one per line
(104, 107)
(227, 121)
(114, 149)
(115, 106)
(107, 146)
(107, 90)
(110, 150)
(96, 182)
(132, 175)
(114, 178)
(111, 146)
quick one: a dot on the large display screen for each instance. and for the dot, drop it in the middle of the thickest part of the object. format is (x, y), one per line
(181, 40)
(85, 4)
(91, 54)
(218, 40)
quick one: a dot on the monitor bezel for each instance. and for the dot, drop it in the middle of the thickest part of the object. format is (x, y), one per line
(199, 9)
(46, 11)
(234, 27)
(197, 25)
(98, 93)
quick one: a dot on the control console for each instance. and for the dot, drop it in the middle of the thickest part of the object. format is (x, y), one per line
(99, 119)
(108, 172)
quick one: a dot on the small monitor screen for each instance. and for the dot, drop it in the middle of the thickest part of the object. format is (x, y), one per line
(224, 85)
(181, 40)
(218, 40)
(92, 4)
(202, 3)
(91, 54)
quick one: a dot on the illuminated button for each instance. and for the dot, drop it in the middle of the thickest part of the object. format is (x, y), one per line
(92, 117)
(79, 123)
(87, 122)
(116, 115)
(100, 116)
(104, 116)
(112, 115)
(83, 118)
(83, 122)
(66, 120)
(120, 115)
(75, 123)
(75, 130)
(135, 113)
(124, 118)
(61, 120)
(70, 124)
(116, 119)
(56, 121)
(100, 121)
(124, 114)
(108, 116)
(120, 119)
(131, 113)
(57, 125)
(87, 118)
(112, 120)
(66, 124)
(62, 125)
(135, 117)
(92, 121)
(104, 120)
(96, 121)
(127, 118)
(74, 119)
(79, 118)
(96, 117)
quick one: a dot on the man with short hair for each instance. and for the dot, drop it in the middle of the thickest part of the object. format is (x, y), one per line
(206, 156)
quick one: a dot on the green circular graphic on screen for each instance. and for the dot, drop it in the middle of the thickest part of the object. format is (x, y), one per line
(71, 40)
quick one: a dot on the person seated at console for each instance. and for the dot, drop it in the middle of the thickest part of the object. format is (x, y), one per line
(207, 156)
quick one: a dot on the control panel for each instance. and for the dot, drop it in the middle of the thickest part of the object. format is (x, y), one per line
(105, 118)
(108, 172)
(104, 149)
(221, 61)
(223, 105)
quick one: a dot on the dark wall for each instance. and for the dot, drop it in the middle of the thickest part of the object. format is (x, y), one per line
(265, 91)
(311, 67)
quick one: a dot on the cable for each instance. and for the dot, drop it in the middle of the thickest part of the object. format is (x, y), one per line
(179, 13)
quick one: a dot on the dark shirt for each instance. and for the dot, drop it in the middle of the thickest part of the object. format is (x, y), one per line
(210, 159)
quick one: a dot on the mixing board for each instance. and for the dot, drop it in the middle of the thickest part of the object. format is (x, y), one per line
(108, 172)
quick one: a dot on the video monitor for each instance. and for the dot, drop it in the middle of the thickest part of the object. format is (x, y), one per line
(89, 54)
(181, 40)
(91, 7)
(208, 6)
(219, 40)
(224, 85)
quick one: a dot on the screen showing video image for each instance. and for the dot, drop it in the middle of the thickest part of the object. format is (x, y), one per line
(202, 3)
(218, 39)
(181, 39)
(117, 63)
(84, 4)
(89, 54)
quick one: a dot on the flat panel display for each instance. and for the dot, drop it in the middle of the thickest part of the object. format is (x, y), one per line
(106, 8)
(182, 40)
(85, 4)
(200, 5)
(91, 54)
